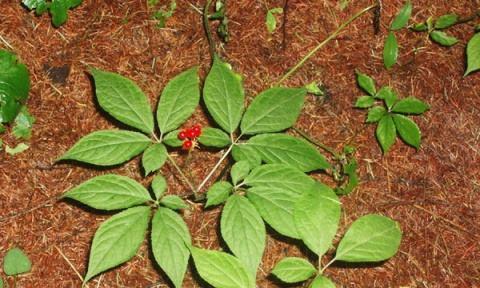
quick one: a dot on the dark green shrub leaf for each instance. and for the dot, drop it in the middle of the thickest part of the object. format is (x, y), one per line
(270, 20)
(218, 193)
(117, 240)
(402, 17)
(289, 150)
(221, 270)
(366, 83)
(386, 133)
(171, 139)
(173, 202)
(170, 244)
(371, 238)
(16, 262)
(245, 152)
(178, 101)
(123, 99)
(473, 54)
(159, 186)
(107, 147)
(322, 282)
(273, 110)
(154, 157)
(239, 171)
(446, 21)
(410, 105)
(223, 95)
(408, 130)
(213, 137)
(365, 102)
(443, 38)
(293, 269)
(390, 51)
(244, 232)
(375, 114)
(109, 192)
(316, 215)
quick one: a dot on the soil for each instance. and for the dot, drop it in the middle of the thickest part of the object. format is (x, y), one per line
(433, 192)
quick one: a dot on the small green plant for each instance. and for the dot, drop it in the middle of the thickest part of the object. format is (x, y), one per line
(220, 15)
(270, 20)
(58, 9)
(162, 15)
(390, 50)
(434, 29)
(391, 115)
(15, 262)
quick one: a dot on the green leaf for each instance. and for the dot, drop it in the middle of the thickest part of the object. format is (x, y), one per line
(178, 101)
(17, 149)
(243, 230)
(239, 171)
(322, 282)
(446, 21)
(221, 270)
(245, 152)
(316, 215)
(58, 10)
(14, 86)
(366, 83)
(123, 99)
(170, 244)
(443, 38)
(419, 27)
(23, 124)
(386, 133)
(270, 20)
(388, 95)
(218, 193)
(390, 51)
(109, 192)
(293, 270)
(473, 54)
(16, 262)
(279, 176)
(273, 110)
(402, 17)
(408, 130)
(213, 137)
(289, 150)
(107, 147)
(375, 114)
(365, 102)
(1, 282)
(154, 158)
(117, 240)
(410, 105)
(223, 95)
(171, 139)
(315, 89)
(173, 202)
(370, 238)
(350, 171)
(159, 186)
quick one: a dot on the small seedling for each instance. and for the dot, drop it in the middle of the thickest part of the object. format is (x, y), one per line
(390, 50)
(58, 9)
(162, 15)
(15, 262)
(271, 21)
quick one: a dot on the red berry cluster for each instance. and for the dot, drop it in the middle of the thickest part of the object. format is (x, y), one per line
(189, 135)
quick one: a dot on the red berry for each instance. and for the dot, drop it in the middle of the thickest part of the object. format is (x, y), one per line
(182, 135)
(187, 145)
(197, 130)
(190, 134)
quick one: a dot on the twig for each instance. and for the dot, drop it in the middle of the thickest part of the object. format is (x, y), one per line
(206, 26)
(377, 14)
(29, 210)
(284, 27)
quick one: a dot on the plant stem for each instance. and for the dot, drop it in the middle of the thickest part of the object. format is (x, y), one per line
(319, 46)
(328, 265)
(215, 167)
(206, 26)
(321, 145)
(185, 178)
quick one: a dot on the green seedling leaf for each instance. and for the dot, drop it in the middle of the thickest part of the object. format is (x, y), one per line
(221, 270)
(23, 124)
(17, 149)
(371, 238)
(178, 101)
(446, 21)
(154, 157)
(212, 137)
(316, 215)
(107, 147)
(390, 51)
(322, 282)
(410, 105)
(443, 38)
(170, 244)
(375, 114)
(109, 192)
(289, 150)
(402, 17)
(59, 12)
(315, 89)
(246, 152)
(14, 86)
(293, 270)
(218, 193)
(16, 262)
(386, 133)
(270, 21)
(162, 15)
(366, 83)
(123, 99)
(239, 171)
(173, 202)
(117, 240)
(408, 130)
(388, 95)
(365, 102)
(473, 54)
(223, 95)
(159, 186)
(171, 139)
(243, 230)
(419, 27)
(273, 110)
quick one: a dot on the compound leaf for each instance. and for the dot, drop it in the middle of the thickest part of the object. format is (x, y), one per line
(239, 171)
(365, 102)
(173, 202)
(366, 83)
(159, 186)
(375, 114)
(410, 105)
(246, 152)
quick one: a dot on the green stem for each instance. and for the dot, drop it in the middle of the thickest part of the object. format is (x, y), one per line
(206, 26)
(319, 46)
(216, 167)
(185, 178)
(321, 145)
(328, 265)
